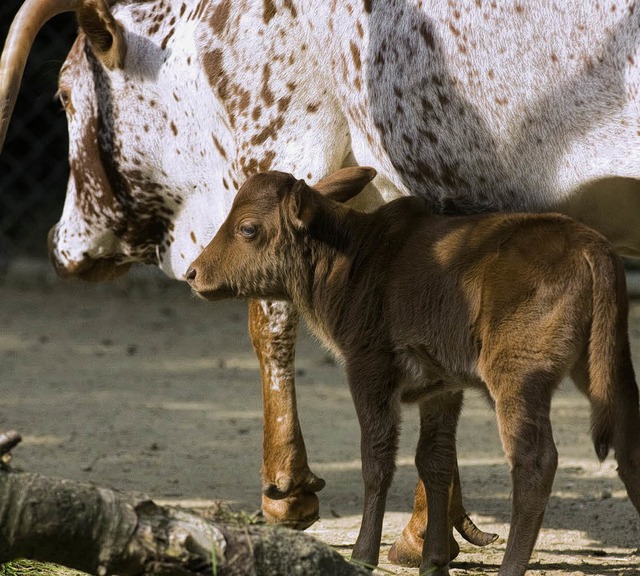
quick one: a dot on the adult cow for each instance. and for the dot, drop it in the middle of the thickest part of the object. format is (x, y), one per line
(478, 106)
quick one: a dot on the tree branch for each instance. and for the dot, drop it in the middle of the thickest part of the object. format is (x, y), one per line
(101, 531)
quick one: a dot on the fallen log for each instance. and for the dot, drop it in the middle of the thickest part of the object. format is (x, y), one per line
(102, 531)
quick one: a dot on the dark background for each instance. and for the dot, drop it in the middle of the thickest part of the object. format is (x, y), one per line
(33, 164)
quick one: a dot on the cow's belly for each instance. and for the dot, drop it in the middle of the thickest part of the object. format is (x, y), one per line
(495, 108)
(612, 207)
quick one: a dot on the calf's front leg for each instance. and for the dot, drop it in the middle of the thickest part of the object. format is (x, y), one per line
(372, 386)
(289, 487)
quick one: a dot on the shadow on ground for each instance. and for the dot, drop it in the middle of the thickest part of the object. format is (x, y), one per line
(139, 386)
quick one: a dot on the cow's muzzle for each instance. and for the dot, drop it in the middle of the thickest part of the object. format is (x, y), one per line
(88, 268)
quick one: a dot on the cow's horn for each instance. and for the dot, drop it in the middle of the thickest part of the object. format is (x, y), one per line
(30, 18)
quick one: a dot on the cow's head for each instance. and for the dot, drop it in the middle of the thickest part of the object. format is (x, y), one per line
(141, 157)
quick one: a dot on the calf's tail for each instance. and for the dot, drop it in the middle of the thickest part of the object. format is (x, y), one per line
(613, 392)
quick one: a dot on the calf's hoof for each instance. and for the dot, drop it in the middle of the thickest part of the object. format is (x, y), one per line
(433, 570)
(407, 550)
(298, 511)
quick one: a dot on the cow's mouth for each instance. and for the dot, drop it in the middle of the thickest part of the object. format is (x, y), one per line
(93, 270)
(88, 268)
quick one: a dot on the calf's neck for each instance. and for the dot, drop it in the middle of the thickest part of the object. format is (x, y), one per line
(419, 307)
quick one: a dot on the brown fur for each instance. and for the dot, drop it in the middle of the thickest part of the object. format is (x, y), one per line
(420, 307)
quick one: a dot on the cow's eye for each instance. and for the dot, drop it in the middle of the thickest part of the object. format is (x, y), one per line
(65, 97)
(248, 230)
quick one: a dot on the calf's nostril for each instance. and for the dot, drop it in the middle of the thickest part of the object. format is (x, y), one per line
(191, 274)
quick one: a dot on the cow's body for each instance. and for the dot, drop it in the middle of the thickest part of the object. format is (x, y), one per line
(479, 106)
(437, 98)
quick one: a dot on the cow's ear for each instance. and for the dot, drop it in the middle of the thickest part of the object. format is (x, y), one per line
(345, 183)
(301, 204)
(105, 34)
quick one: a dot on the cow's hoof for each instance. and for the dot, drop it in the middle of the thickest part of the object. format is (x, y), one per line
(407, 550)
(298, 511)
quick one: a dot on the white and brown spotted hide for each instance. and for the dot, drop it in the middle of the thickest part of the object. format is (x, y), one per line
(477, 106)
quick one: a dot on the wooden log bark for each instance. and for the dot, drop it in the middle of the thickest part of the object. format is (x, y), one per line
(101, 531)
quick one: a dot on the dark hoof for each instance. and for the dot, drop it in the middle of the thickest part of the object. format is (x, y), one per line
(314, 484)
(8, 441)
(471, 533)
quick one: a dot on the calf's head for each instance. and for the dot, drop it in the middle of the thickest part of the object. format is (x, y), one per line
(264, 240)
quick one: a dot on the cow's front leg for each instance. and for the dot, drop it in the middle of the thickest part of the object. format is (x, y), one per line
(289, 487)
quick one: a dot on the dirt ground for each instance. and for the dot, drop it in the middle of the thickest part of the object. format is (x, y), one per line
(139, 386)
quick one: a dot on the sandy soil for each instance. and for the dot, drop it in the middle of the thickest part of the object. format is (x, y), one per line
(141, 387)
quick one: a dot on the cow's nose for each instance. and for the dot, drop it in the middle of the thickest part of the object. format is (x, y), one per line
(191, 274)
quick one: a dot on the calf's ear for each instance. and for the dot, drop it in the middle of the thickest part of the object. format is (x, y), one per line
(105, 34)
(345, 183)
(300, 204)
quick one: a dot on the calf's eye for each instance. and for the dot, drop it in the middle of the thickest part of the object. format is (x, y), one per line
(248, 230)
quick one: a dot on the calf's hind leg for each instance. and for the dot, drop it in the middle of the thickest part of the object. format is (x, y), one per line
(522, 409)
(627, 448)
(626, 418)
(289, 486)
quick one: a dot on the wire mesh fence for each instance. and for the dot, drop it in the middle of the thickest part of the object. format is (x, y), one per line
(33, 165)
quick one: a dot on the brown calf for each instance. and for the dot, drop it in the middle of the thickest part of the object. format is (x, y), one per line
(420, 307)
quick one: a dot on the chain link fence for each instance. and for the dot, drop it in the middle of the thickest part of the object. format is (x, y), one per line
(33, 165)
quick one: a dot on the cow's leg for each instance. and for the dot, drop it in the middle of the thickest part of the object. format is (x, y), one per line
(407, 549)
(289, 486)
